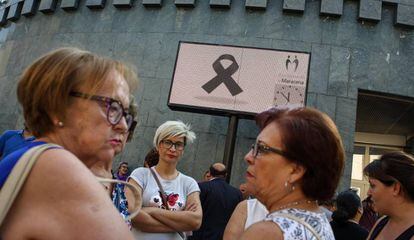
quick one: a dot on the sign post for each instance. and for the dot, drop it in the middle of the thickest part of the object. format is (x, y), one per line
(237, 82)
(230, 143)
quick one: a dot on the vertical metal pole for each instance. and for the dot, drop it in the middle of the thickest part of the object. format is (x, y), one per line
(230, 142)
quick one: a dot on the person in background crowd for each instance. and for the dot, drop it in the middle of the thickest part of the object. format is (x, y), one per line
(117, 189)
(247, 193)
(391, 179)
(118, 194)
(369, 216)
(75, 99)
(218, 201)
(11, 140)
(206, 176)
(296, 161)
(327, 207)
(247, 213)
(151, 159)
(166, 214)
(346, 216)
(122, 173)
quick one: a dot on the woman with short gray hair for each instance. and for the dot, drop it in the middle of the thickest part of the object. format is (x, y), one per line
(170, 199)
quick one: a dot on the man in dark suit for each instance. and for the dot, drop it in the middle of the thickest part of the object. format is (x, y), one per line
(218, 200)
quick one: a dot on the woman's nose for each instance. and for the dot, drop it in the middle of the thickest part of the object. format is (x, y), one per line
(249, 157)
(122, 125)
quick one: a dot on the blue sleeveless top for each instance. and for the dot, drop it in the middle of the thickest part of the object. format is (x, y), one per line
(7, 164)
(11, 140)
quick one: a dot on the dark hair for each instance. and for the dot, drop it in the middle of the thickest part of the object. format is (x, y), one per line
(311, 139)
(133, 110)
(216, 173)
(394, 167)
(152, 157)
(329, 202)
(347, 204)
(121, 163)
(367, 203)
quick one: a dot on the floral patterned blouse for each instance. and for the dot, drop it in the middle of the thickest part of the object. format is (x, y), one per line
(293, 230)
(120, 202)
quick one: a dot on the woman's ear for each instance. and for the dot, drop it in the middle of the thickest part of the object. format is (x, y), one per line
(396, 189)
(361, 210)
(297, 173)
(57, 122)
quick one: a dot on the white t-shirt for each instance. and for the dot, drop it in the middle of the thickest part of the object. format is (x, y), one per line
(177, 191)
(256, 212)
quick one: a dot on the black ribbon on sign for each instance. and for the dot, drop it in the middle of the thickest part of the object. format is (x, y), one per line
(224, 76)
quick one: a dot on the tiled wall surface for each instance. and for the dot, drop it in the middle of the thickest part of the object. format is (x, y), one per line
(364, 44)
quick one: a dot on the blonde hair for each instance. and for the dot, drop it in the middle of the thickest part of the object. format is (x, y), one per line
(44, 88)
(173, 129)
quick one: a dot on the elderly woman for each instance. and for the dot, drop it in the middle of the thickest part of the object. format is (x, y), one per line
(117, 187)
(172, 206)
(296, 160)
(391, 180)
(75, 99)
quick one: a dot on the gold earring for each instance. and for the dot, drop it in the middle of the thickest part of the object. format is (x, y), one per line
(60, 124)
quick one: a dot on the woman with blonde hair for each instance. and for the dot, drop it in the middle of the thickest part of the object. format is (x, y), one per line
(79, 102)
(170, 200)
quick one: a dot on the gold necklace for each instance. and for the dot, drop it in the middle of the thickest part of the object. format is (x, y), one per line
(293, 204)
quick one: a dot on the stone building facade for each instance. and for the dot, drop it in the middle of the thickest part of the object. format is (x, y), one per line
(366, 44)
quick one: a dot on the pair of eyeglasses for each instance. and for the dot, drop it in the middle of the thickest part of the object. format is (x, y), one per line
(168, 144)
(114, 109)
(258, 148)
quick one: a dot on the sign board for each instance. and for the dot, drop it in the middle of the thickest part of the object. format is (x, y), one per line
(244, 81)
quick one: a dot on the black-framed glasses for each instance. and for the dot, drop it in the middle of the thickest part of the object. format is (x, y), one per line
(114, 109)
(258, 148)
(168, 144)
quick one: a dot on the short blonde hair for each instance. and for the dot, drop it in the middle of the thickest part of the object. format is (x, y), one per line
(44, 88)
(174, 129)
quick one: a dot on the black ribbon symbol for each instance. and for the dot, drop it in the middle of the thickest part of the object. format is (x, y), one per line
(224, 76)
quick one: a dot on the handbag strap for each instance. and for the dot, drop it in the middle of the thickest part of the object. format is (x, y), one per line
(301, 221)
(162, 193)
(163, 196)
(17, 177)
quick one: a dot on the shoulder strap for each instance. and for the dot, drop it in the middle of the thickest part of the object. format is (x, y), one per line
(134, 190)
(156, 179)
(407, 234)
(162, 193)
(163, 196)
(18, 176)
(301, 221)
(373, 233)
